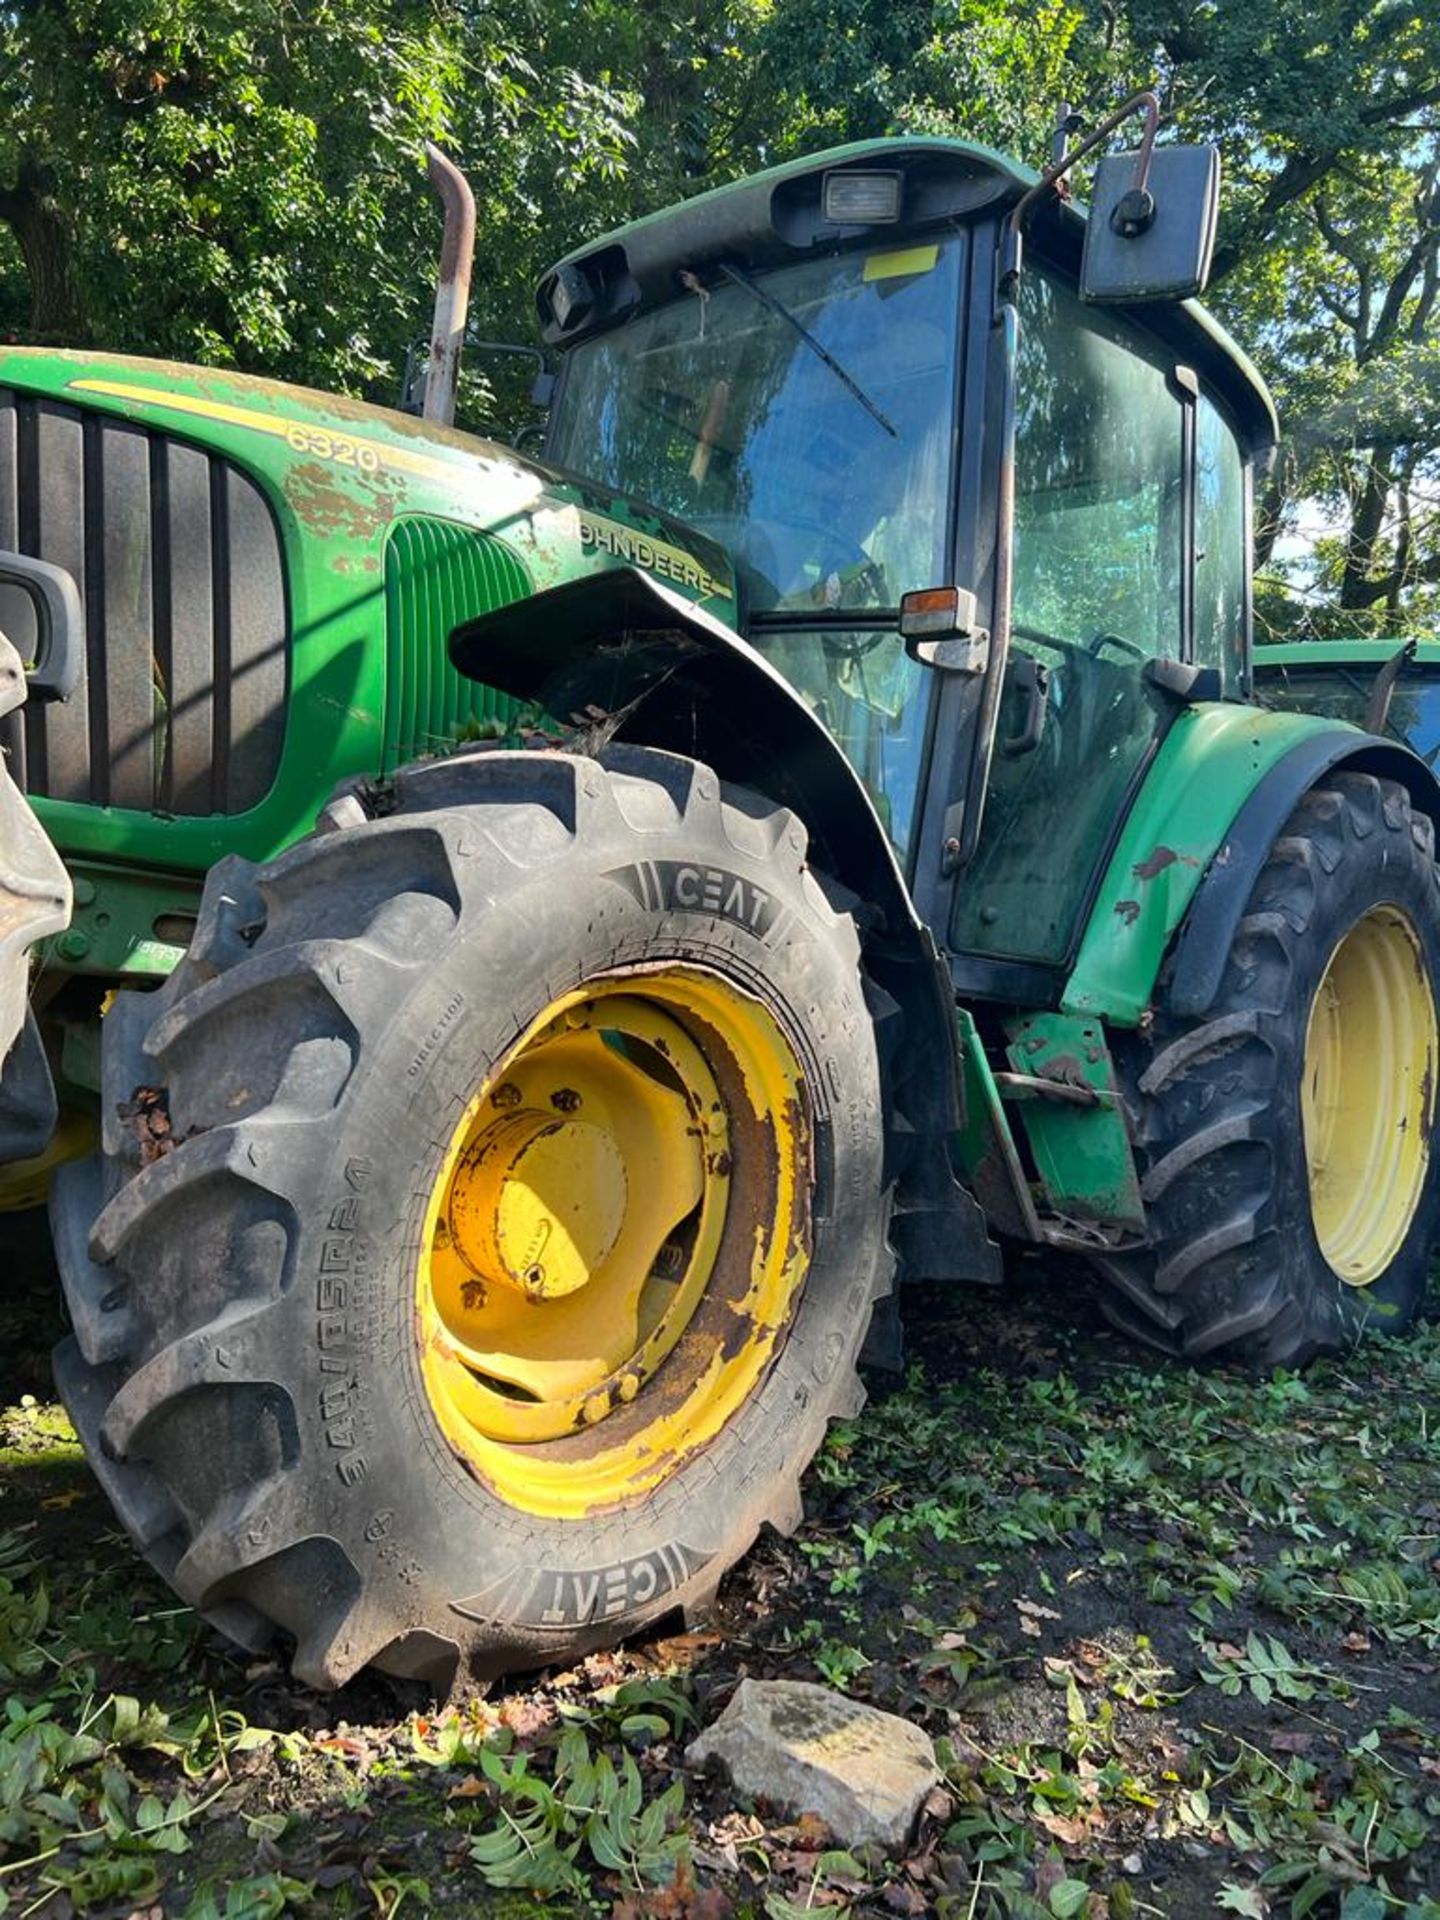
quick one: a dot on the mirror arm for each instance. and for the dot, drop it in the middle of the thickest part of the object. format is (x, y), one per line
(1148, 101)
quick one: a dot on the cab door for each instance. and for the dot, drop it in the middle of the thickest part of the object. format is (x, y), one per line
(1101, 554)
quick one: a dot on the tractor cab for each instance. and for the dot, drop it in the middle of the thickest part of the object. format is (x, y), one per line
(827, 369)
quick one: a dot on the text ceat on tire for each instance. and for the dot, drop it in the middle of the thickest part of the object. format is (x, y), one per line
(1285, 1137)
(492, 1213)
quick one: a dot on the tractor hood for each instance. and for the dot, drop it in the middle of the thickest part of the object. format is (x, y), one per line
(346, 473)
(267, 578)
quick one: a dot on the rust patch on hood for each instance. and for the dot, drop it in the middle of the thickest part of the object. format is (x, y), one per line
(323, 506)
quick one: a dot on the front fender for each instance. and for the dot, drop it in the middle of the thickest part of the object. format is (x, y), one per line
(662, 671)
(1219, 791)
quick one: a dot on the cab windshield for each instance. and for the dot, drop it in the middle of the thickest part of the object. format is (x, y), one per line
(715, 409)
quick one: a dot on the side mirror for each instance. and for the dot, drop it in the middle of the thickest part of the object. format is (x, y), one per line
(1152, 241)
(41, 614)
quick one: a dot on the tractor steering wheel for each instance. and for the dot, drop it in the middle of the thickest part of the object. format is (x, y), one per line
(1090, 650)
(836, 553)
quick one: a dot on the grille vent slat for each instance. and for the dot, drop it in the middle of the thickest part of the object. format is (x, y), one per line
(438, 574)
(52, 527)
(179, 565)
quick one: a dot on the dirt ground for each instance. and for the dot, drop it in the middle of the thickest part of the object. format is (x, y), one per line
(1176, 1634)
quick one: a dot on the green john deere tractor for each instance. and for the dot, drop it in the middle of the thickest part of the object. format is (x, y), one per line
(1389, 687)
(497, 1174)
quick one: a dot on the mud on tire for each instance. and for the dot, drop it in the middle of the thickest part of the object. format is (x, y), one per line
(245, 1367)
(1238, 1269)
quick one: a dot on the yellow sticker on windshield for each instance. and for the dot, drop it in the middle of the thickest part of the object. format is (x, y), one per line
(893, 266)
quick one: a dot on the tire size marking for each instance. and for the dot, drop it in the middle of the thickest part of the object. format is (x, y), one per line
(342, 1299)
(379, 1534)
(664, 885)
(545, 1597)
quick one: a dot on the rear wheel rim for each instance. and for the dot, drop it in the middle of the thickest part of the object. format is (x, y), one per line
(615, 1239)
(1368, 1093)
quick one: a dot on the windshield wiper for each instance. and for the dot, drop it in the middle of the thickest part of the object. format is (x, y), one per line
(824, 354)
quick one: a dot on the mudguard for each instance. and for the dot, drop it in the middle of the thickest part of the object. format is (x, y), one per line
(621, 655)
(1215, 913)
(1220, 788)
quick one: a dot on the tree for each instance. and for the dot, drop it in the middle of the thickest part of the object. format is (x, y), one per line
(240, 181)
(1327, 113)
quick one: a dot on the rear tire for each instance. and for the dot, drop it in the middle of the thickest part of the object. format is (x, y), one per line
(290, 1387)
(1293, 1205)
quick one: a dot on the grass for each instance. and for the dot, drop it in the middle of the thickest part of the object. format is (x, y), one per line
(1177, 1636)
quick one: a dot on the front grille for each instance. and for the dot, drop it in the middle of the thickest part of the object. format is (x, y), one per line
(178, 562)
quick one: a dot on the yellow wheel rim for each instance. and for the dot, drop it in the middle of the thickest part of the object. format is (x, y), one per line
(1368, 1094)
(615, 1239)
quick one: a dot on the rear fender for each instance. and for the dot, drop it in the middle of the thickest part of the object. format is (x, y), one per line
(1219, 904)
(622, 657)
(1221, 787)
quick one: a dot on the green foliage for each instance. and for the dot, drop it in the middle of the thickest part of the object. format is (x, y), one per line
(241, 183)
(1264, 1665)
(591, 1810)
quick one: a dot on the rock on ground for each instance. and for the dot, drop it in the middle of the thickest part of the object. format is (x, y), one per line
(863, 1772)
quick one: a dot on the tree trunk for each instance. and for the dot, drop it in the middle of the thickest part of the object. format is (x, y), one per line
(1356, 589)
(42, 228)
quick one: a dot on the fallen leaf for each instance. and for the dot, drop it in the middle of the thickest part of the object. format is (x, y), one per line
(525, 1715)
(1035, 1611)
(1292, 1742)
(1069, 1832)
(603, 1669)
(682, 1648)
(470, 1788)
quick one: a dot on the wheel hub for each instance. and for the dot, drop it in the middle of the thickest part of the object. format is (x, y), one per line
(615, 1237)
(537, 1203)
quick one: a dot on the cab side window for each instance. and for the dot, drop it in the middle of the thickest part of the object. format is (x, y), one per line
(1097, 480)
(1221, 559)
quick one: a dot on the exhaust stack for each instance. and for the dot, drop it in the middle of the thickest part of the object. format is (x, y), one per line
(452, 295)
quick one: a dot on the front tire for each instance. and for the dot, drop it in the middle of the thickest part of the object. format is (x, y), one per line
(1285, 1138)
(514, 1224)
